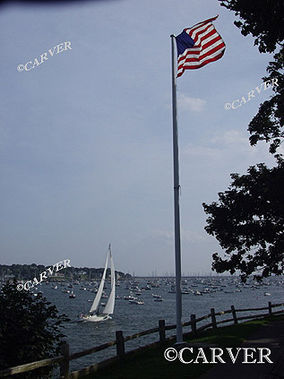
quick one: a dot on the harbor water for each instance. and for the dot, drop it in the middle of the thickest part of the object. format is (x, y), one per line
(200, 294)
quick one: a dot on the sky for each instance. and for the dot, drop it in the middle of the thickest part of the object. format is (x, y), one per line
(86, 137)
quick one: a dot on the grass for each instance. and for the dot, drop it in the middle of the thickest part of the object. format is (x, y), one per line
(152, 364)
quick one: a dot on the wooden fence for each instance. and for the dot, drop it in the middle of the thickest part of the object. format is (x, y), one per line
(65, 357)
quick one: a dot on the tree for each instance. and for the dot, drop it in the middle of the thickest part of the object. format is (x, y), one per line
(248, 222)
(267, 125)
(264, 20)
(248, 219)
(29, 328)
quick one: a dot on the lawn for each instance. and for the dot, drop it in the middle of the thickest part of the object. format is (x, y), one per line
(152, 364)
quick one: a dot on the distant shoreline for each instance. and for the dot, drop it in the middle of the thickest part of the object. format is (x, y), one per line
(27, 271)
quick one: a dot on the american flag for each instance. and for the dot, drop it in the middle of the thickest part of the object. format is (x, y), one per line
(198, 45)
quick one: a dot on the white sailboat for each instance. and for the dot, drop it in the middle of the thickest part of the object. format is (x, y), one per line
(108, 310)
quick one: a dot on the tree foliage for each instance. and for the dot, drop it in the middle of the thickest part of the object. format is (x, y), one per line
(264, 20)
(248, 219)
(29, 327)
(267, 125)
(248, 222)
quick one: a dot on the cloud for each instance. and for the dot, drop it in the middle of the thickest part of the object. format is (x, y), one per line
(230, 144)
(187, 103)
(231, 137)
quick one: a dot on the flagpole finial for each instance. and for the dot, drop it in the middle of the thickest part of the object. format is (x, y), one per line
(172, 35)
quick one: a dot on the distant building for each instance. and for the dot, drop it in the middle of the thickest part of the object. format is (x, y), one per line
(57, 277)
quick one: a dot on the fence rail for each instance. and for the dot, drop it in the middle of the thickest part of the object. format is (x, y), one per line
(64, 359)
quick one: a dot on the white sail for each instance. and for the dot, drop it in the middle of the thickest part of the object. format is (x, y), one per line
(97, 299)
(109, 308)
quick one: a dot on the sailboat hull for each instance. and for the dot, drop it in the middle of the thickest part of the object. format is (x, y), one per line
(95, 318)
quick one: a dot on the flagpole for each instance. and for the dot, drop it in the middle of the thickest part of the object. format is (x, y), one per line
(179, 337)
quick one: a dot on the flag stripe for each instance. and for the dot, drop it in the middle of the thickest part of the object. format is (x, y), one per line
(198, 46)
(194, 62)
(207, 49)
(204, 44)
(217, 49)
(203, 22)
(192, 67)
(205, 28)
(207, 37)
(200, 63)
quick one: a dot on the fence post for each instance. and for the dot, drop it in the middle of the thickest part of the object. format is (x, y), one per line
(64, 366)
(120, 349)
(162, 330)
(234, 314)
(213, 317)
(193, 324)
(269, 308)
